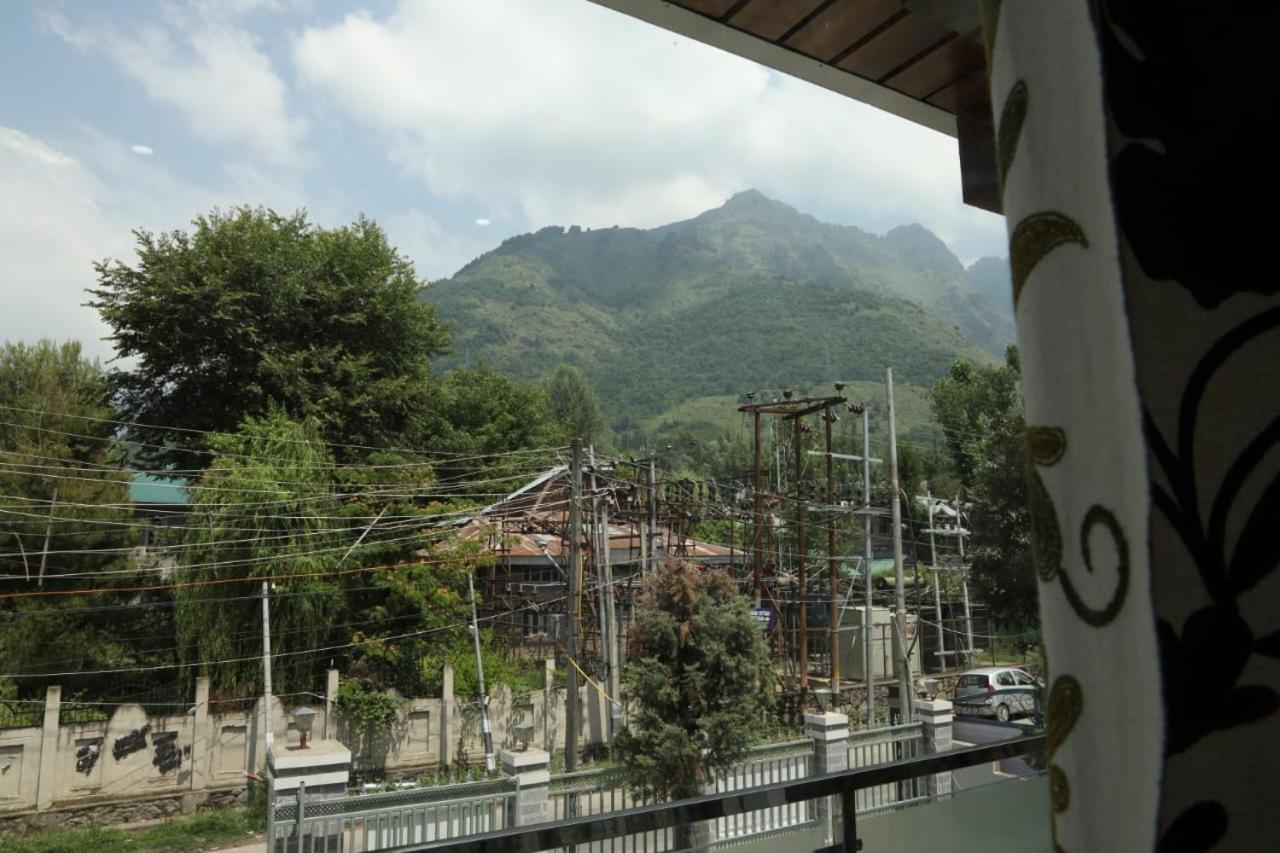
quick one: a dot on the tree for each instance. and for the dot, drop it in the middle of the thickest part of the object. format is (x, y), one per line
(66, 525)
(980, 412)
(481, 418)
(574, 405)
(253, 311)
(698, 682)
(262, 512)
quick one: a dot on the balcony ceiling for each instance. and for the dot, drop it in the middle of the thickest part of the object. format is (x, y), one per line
(922, 60)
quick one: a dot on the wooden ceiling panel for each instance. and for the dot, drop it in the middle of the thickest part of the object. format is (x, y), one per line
(895, 46)
(966, 96)
(957, 58)
(711, 8)
(771, 19)
(841, 25)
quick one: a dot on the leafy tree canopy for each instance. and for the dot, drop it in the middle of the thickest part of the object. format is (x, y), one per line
(250, 310)
(980, 412)
(574, 404)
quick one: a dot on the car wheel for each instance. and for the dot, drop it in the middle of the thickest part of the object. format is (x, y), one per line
(1002, 713)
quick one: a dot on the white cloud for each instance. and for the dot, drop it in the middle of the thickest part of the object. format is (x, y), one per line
(435, 251)
(210, 70)
(144, 150)
(484, 223)
(51, 230)
(575, 114)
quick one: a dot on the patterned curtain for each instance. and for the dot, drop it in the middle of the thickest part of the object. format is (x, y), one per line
(1136, 161)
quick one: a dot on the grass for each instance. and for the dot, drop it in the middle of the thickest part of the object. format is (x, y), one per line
(186, 833)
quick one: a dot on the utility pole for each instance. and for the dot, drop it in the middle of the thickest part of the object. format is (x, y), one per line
(757, 524)
(833, 576)
(964, 581)
(937, 593)
(611, 634)
(266, 665)
(868, 643)
(486, 730)
(651, 480)
(905, 698)
(802, 569)
(572, 709)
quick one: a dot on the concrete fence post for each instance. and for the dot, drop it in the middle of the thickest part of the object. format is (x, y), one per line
(446, 718)
(935, 720)
(532, 771)
(330, 700)
(549, 704)
(201, 737)
(47, 783)
(830, 735)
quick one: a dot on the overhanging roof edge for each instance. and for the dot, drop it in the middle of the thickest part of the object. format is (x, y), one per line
(726, 38)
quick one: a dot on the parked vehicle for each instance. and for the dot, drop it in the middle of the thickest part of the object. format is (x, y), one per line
(996, 691)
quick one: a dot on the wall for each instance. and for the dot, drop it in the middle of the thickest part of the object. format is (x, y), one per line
(134, 766)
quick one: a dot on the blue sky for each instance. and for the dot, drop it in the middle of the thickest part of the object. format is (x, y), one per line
(454, 124)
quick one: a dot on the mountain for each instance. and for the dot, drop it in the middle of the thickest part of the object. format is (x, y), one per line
(752, 294)
(991, 278)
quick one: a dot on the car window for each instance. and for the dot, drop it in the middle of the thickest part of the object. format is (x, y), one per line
(1023, 678)
(1005, 679)
(971, 681)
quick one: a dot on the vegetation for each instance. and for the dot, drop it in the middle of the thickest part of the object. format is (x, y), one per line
(574, 405)
(252, 311)
(699, 681)
(743, 297)
(980, 411)
(65, 525)
(181, 834)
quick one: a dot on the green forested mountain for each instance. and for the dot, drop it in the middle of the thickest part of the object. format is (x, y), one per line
(753, 294)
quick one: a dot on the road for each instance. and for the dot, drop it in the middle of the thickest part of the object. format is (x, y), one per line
(976, 733)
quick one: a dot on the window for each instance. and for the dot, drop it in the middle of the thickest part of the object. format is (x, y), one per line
(1023, 678)
(1005, 679)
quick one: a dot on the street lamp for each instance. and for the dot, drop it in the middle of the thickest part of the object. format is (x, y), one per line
(302, 720)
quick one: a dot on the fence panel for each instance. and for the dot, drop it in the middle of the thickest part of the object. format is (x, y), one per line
(880, 746)
(370, 822)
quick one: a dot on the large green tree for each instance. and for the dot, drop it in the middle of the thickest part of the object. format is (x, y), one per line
(980, 412)
(65, 525)
(263, 511)
(574, 405)
(697, 681)
(251, 310)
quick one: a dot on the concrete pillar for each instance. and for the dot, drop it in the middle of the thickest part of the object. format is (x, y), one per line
(201, 737)
(935, 719)
(830, 735)
(446, 718)
(549, 732)
(532, 771)
(324, 767)
(330, 700)
(46, 785)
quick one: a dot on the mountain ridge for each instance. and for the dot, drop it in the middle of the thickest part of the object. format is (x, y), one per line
(752, 293)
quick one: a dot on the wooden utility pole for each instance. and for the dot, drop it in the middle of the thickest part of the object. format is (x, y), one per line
(868, 643)
(833, 575)
(802, 557)
(905, 698)
(572, 714)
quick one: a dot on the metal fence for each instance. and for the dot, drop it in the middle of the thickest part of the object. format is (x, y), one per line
(881, 746)
(378, 821)
(424, 815)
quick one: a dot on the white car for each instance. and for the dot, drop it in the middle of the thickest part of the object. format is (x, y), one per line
(996, 691)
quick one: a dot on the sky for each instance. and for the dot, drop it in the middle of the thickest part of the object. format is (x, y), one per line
(453, 124)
